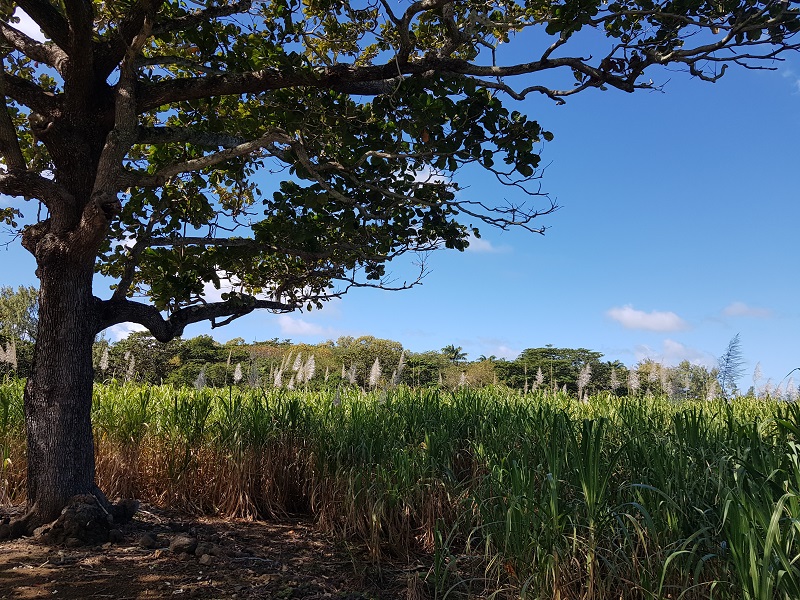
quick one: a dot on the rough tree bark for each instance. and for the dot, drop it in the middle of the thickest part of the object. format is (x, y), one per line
(58, 395)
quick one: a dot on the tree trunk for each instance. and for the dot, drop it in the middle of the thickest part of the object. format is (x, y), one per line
(58, 395)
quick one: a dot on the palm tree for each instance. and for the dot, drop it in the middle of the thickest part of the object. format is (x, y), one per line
(454, 353)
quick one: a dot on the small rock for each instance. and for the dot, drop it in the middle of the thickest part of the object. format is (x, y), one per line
(106, 546)
(148, 541)
(206, 548)
(183, 543)
(185, 556)
(206, 560)
(73, 542)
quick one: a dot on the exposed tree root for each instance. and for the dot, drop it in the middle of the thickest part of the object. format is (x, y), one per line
(84, 521)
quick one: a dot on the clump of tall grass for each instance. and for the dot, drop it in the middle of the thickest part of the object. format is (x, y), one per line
(531, 495)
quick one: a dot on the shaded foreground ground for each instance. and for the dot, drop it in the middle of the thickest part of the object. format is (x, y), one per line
(245, 560)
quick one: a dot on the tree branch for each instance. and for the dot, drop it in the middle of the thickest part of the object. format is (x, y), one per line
(250, 243)
(48, 19)
(162, 176)
(109, 53)
(15, 182)
(104, 203)
(47, 53)
(368, 80)
(113, 312)
(29, 94)
(9, 143)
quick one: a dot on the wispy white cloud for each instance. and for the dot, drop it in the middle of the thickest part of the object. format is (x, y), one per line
(28, 26)
(483, 246)
(656, 320)
(793, 78)
(740, 309)
(672, 353)
(123, 330)
(295, 326)
(503, 351)
(499, 348)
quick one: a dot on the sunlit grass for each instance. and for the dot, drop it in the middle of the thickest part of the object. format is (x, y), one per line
(538, 496)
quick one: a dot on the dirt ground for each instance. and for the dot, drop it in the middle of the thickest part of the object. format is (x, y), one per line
(234, 559)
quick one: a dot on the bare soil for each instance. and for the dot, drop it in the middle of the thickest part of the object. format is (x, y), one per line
(244, 559)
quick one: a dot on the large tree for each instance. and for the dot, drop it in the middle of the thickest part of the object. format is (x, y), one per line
(145, 130)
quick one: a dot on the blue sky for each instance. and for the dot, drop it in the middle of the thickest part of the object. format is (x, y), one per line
(677, 229)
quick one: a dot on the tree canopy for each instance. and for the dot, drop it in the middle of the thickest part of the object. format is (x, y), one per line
(142, 128)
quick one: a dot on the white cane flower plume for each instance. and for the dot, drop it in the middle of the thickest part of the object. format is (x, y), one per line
(778, 393)
(584, 376)
(462, 381)
(104, 360)
(237, 373)
(539, 377)
(757, 375)
(131, 365)
(337, 398)
(200, 382)
(298, 362)
(327, 374)
(633, 381)
(254, 379)
(399, 370)
(290, 385)
(441, 381)
(652, 375)
(767, 388)
(2, 354)
(666, 388)
(791, 390)
(351, 374)
(309, 368)
(375, 373)
(344, 372)
(713, 390)
(277, 380)
(613, 380)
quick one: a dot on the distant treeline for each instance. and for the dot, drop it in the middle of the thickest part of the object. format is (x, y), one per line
(370, 362)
